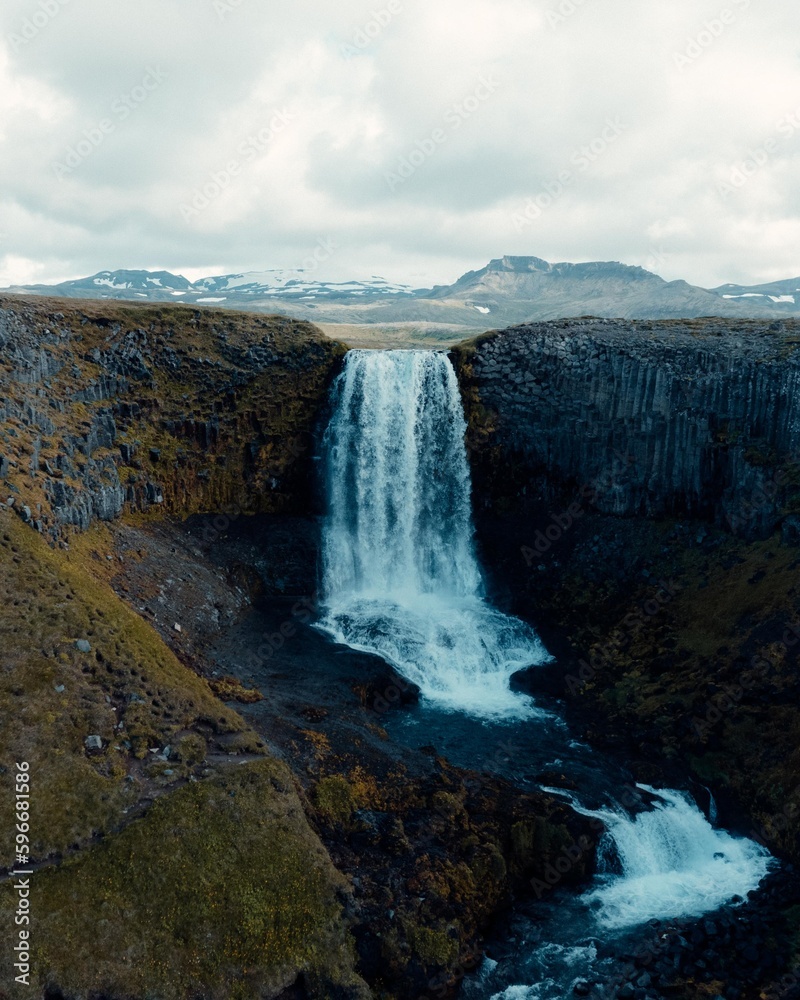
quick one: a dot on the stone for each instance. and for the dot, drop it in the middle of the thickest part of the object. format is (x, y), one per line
(657, 419)
(83, 646)
(93, 743)
(790, 530)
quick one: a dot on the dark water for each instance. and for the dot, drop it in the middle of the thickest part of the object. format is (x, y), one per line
(660, 858)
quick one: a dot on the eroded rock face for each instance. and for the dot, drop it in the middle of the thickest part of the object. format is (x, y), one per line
(106, 406)
(699, 417)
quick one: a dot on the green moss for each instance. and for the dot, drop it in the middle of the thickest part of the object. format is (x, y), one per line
(221, 883)
(53, 696)
(244, 743)
(489, 867)
(711, 767)
(793, 919)
(761, 457)
(534, 842)
(334, 799)
(433, 946)
(449, 807)
(190, 750)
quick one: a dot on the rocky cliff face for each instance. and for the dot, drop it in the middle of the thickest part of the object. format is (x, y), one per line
(637, 496)
(105, 406)
(698, 417)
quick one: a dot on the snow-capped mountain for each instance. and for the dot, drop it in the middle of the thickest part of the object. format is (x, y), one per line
(233, 289)
(141, 283)
(506, 291)
(779, 295)
(296, 284)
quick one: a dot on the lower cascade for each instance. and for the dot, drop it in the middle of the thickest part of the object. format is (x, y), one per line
(400, 579)
(400, 576)
(667, 862)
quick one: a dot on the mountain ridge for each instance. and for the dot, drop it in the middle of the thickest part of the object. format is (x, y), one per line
(509, 290)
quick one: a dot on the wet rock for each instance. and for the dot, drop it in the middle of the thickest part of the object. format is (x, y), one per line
(545, 678)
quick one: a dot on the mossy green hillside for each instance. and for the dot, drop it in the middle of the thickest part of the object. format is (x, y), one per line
(221, 890)
(129, 689)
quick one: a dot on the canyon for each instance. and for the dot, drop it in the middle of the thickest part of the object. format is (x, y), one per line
(636, 499)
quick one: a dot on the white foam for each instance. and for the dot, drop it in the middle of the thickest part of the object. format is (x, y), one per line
(400, 576)
(674, 863)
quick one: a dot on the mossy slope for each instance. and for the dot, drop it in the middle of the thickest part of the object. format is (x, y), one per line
(129, 689)
(221, 891)
(218, 888)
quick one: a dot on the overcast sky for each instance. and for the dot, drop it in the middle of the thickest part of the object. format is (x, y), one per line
(410, 139)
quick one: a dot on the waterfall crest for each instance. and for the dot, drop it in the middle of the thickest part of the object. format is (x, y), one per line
(400, 577)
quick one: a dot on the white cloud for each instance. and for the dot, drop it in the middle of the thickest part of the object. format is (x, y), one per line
(313, 105)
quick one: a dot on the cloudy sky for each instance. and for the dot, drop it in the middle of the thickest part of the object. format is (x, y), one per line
(415, 139)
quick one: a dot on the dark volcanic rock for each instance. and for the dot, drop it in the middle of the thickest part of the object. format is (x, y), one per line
(646, 418)
(104, 406)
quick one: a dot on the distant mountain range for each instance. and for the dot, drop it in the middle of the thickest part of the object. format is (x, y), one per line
(162, 286)
(508, 290)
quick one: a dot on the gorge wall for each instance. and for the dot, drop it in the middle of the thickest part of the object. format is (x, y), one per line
(699, 417)
(637, 496)
(106, 406)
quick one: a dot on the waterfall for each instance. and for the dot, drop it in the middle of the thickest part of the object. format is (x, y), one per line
(712, 806)
(668, 862)
(665, 862)
(400, 577)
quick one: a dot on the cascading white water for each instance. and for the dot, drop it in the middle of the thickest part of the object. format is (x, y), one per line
(667, 863)
(400, 577)
(674, 863)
